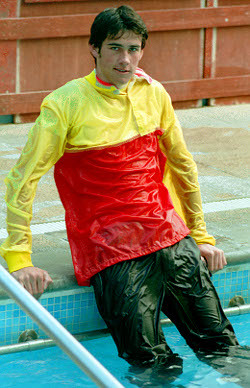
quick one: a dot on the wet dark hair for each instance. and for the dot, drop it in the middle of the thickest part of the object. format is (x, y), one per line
(112, 21)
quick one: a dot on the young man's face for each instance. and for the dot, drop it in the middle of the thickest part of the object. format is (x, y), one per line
(118, 59)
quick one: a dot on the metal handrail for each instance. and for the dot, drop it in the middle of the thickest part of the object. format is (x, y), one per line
(78, 354)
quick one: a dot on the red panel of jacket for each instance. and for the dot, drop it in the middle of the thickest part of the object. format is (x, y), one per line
(117, 207)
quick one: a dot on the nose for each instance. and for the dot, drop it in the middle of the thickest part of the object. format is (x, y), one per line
(124, 57)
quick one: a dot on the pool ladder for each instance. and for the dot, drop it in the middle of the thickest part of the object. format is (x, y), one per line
(78, 354)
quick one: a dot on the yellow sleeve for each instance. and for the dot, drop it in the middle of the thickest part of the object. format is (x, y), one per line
(45, 145)
(180, 176)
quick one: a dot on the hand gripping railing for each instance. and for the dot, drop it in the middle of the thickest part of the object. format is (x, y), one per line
(78, 354)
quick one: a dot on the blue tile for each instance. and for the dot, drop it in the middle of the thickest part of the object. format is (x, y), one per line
(16, 313)
(57, 307)
(2, 308)
(77, 305)
(57, 299)
(10, 306)
(51, 301)
(9, 314)
(57, 314)
(50, 308)
(83, 305)
(70, 313)
(76, 312)
(63, 321)
(75, 328)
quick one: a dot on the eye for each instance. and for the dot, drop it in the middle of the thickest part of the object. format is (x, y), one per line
(114, 48)
(133, 49)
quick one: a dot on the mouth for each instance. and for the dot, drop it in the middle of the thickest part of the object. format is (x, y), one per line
(122, 71)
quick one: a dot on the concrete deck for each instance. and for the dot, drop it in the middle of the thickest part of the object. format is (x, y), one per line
(219, 139)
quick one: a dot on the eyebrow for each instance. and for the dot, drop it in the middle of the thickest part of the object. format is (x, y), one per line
(120, 45)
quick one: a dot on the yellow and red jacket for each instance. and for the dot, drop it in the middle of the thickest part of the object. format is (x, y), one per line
(122, 169)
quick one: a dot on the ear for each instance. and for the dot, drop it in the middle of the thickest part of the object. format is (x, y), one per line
(94, 51)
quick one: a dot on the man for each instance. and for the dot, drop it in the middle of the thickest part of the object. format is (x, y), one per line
(114, 138)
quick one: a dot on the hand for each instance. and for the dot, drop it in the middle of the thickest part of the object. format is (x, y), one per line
(215, 257)
(33, 279)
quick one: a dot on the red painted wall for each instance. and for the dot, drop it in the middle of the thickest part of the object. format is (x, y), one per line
(171, 54)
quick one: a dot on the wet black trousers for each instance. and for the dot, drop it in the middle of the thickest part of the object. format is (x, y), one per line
(130, 296)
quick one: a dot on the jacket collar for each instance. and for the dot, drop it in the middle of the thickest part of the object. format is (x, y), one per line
(100, 85)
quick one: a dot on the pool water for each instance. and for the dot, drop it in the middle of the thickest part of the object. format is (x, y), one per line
(52, 368)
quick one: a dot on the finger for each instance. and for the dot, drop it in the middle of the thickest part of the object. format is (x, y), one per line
(47, 280)
(212, 263)
(28, 287)
(224, 259)
(24, 283)
(40, 285)
(221, 260)
(33, 285)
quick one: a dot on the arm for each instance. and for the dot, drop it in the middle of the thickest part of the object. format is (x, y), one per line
(44, 147)
(181, 179)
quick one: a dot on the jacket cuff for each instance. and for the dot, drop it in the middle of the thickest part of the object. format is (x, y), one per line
(18, 260)
(205, 240)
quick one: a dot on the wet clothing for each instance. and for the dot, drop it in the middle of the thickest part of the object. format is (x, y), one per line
(130, 296)
(117, 207)
(129, 187)
(86, 123)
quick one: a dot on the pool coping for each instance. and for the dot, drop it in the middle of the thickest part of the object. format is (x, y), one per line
(67, 282)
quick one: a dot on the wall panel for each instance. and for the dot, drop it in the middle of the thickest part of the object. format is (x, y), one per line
(8, 9)
(199, 49)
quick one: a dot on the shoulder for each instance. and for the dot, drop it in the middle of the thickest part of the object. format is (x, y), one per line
(66, 92)
(155, 90)
(65, 101)
(152, 85)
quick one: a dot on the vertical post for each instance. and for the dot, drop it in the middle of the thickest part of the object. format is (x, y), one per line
(209, 46)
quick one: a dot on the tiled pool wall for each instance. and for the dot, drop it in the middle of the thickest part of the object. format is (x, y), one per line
(76, 309)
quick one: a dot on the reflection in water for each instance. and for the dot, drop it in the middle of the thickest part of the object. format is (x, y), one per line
(161, 374)
(232, 362)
